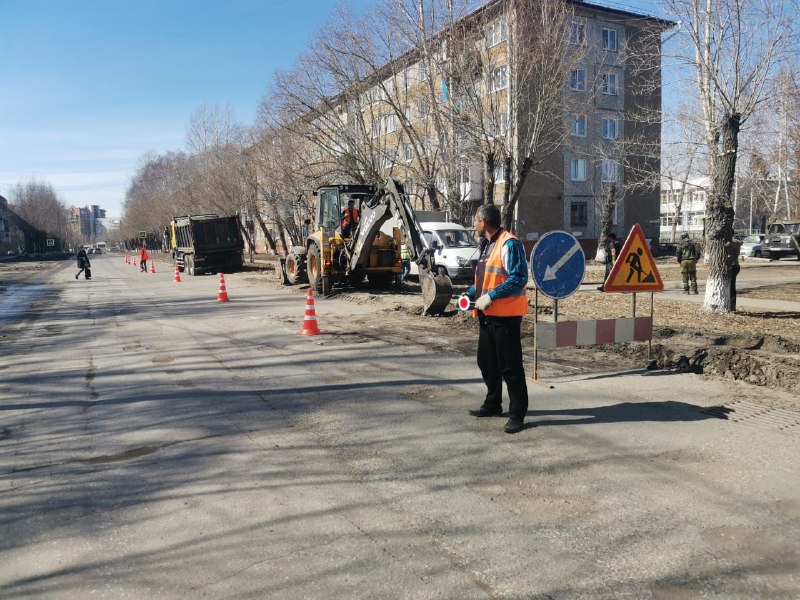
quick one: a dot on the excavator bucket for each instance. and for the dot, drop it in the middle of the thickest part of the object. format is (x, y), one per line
(437, 291)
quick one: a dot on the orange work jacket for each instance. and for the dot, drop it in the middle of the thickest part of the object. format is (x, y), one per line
(143, 255)
(348, 216)
(495, 274)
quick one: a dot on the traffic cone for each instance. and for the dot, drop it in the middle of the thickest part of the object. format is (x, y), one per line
(153, 267)
(177, 278)
(134, 262)
(127, 259)
(310, 320)
(222, 296)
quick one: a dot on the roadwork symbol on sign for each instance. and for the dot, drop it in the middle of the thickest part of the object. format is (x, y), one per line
(557, 264)
(635, 269)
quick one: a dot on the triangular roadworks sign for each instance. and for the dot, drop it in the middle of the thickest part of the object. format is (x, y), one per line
(635, 269)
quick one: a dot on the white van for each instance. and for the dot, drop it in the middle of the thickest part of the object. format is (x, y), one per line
(456, 249)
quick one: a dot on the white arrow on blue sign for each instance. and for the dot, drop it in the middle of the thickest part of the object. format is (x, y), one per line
(557, 264)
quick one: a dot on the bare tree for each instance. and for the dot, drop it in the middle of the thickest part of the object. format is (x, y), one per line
(735, 47)
(40, 214)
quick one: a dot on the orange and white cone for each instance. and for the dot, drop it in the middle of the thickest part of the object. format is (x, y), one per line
(134, 262)
(222, 296)
(310, 321)
(153, 267)
(177, 278)
(127, 259)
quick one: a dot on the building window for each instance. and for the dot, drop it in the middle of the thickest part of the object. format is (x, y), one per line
(608, 171)
(498, 79)
(609, 85)
(578, 214)
(423, 109)
(610, 129)
(577, 33)
(579, 126)
(577, 80)
(498, 124)
(376, 128)
(408, 153)
(496, 32)
(391, 123)
(500, 173)
(577, 169)
(610, 39)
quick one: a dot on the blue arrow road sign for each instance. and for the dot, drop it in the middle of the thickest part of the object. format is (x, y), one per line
(557, 264)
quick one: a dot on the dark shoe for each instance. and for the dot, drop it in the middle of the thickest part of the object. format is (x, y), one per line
(76, 276)
(694, 292)
(514, 425)
(483, 412)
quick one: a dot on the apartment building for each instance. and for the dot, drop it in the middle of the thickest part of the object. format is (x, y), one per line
(445, 120)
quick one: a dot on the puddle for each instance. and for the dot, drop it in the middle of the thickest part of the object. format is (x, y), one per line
(17, 299)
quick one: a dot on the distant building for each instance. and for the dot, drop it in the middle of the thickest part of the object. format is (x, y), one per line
(87, 222)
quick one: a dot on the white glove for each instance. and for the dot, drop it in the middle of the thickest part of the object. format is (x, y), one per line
(483, 302)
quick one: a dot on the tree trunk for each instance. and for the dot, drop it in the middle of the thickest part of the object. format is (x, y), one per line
(608, 214)
(431, 191)
(719, 218)
(488, 178)
(508, 207)
(266, 233)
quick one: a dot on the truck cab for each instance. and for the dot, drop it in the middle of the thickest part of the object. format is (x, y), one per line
(456, 250)
(782, 239)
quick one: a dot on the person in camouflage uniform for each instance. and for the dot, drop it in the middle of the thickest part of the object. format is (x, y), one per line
(688, 254)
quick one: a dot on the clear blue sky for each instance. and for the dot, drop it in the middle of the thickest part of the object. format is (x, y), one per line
(88, 86)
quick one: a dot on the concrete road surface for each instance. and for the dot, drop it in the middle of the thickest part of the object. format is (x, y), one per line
(157, 444)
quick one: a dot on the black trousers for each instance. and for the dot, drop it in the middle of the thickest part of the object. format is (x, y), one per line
(500, 359)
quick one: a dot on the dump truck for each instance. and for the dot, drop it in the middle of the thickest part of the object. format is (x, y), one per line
(327, 258)
(205, 243)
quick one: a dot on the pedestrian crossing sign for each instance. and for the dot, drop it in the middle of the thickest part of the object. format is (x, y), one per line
(635, 269)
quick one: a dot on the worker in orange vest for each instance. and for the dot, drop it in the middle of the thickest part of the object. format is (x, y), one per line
(500, 303)
(143, 257)
(349, 219)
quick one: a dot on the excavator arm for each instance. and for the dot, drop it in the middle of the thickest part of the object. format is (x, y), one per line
(391, 201)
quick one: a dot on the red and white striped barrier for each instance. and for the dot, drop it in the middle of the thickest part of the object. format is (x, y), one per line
(590, 333)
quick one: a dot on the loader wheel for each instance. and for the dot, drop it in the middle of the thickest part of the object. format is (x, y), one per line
(314, 267)
(292, 269)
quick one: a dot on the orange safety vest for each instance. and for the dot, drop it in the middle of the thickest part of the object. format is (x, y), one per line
(143, 255)
(495, 274)
(349, 215)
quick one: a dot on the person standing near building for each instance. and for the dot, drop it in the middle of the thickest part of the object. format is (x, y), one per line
(732, 257)
(83, 264)
(500, 280)
(687, 255)
(349, 219)
(612, 247)
(143, 258)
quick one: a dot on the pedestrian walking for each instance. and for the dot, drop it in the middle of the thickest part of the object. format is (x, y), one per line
(499, 287)
(143, 257)
(688, 254)
(612, 249)
(83, 264)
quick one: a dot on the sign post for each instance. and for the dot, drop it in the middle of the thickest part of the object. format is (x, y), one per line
(557, 266)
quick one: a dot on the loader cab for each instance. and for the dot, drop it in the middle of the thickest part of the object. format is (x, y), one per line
(332, 201)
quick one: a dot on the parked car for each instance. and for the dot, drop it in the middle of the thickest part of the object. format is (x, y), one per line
(752, 246)
(782, 239)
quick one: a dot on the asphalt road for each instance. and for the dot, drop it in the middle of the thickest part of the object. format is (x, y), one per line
(157, 444)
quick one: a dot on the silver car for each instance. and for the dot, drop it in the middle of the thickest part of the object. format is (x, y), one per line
(752, 246)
